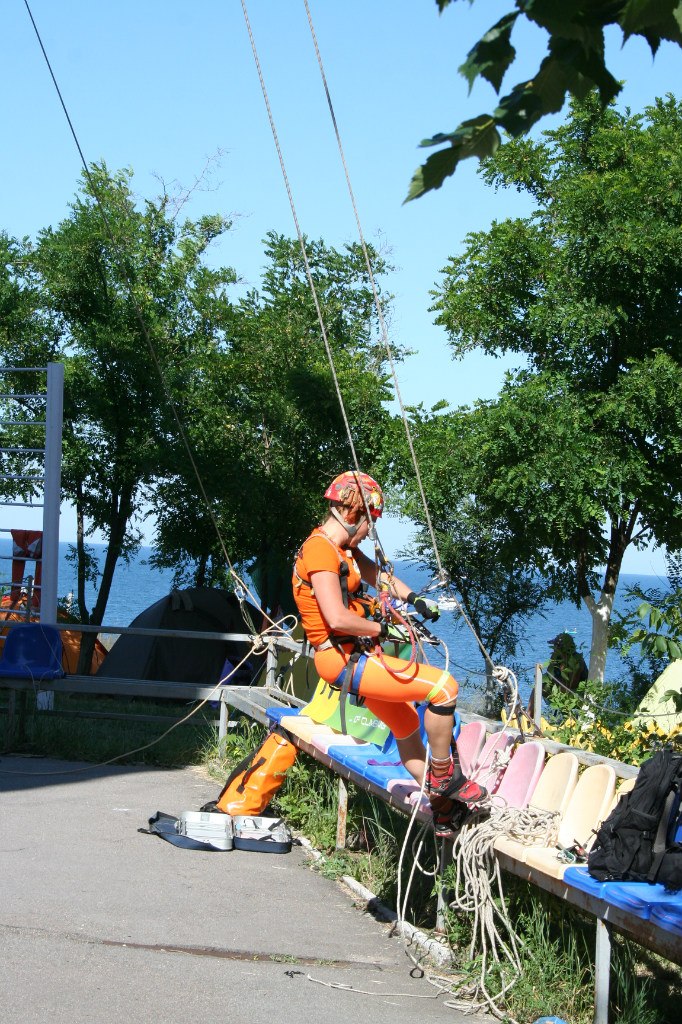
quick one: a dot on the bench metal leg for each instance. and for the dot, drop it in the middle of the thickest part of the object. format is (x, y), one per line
(445, 849)
(602, 973)
(342, 815)
(222, 724)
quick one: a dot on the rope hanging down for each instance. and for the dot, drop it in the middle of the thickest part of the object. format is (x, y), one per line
(377, 302)
(478, 890)
(242, 589)
(442, 574)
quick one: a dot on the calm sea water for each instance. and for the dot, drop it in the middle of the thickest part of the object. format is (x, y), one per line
(137, 585)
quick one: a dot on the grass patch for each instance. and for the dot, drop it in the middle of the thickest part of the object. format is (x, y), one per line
(100, 739)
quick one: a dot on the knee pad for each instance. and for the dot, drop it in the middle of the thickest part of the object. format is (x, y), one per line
(441, 709)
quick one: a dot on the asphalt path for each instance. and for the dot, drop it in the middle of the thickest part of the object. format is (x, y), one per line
(100, 923)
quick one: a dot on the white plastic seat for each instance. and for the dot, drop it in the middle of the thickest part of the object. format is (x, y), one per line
(587, 808)
(552, 792)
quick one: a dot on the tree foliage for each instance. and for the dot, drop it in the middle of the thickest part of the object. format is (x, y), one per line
(574, 64)
(580, 453)
(123, 292)
(266, 423)
(497, 588)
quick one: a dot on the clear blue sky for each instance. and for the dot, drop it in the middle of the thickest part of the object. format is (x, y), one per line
(163, 85)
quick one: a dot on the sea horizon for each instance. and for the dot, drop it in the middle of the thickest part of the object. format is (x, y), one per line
(137, 585)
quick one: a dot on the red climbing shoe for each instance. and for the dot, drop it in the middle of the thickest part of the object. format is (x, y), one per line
(449, 816)
(458, 788)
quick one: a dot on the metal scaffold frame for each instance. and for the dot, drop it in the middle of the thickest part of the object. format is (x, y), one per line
(51, 479)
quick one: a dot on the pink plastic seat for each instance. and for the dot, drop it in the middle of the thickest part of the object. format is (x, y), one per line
(492, 762)
(469, 744)
(521, 777)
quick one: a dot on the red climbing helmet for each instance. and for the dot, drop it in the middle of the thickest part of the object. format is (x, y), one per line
(343, 488)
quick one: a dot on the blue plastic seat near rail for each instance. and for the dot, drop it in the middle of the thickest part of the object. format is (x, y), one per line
(582, 879)
(640, 898)
(668, 916)
(32, 651)
(388, 765)
(277, 714)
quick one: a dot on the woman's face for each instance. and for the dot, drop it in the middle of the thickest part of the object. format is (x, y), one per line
(363, 530)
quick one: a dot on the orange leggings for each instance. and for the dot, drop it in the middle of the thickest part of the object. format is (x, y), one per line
(390, 688)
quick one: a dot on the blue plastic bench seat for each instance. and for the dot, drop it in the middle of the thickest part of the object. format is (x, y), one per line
(387, 768)
(668, 916)
(582, 879)
(639, 898)
(33, 651)
(277, 714)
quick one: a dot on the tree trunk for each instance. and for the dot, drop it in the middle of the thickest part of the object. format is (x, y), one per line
(491, 697)
(602, 609)
(121, 510)
(80, 551)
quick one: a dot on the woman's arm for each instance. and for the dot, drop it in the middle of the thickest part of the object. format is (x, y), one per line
(368, 571)
(339, 618)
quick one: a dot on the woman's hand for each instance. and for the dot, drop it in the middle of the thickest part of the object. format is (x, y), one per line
(340, 619)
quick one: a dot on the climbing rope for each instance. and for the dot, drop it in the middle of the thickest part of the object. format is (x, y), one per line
(442, 574)
(375, 293)
(478, 890)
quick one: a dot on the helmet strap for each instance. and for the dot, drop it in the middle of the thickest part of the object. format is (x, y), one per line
(350, 528)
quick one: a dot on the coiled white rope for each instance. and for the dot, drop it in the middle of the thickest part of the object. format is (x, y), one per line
(478, 890)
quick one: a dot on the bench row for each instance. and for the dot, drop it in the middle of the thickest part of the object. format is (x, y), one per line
(516, 777)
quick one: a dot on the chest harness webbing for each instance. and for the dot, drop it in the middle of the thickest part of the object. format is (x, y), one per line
(350, 677)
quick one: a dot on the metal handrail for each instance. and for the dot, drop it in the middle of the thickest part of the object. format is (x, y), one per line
(21, 476)
(23, 423)
(183, 634)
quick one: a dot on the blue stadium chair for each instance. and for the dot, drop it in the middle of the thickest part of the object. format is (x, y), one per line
(33, 652)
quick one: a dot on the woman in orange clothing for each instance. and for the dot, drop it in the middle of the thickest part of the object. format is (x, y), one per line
(327, 581)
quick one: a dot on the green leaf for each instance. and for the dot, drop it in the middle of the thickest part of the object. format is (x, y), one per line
(675, 696)
(654, 19)
(569, 18)
(492, 54)
(478, 137)
(660, 645)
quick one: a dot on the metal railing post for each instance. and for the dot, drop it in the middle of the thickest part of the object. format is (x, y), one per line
(51, 502)
(53, 464)
(271, 668)
(222, 724)
(537, 695)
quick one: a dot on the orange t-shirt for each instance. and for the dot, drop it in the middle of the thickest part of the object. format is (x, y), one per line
(320, 554)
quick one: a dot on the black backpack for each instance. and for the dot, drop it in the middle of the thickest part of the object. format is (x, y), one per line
(627, 847)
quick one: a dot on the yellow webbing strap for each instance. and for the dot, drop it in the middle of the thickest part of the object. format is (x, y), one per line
(438, 686)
